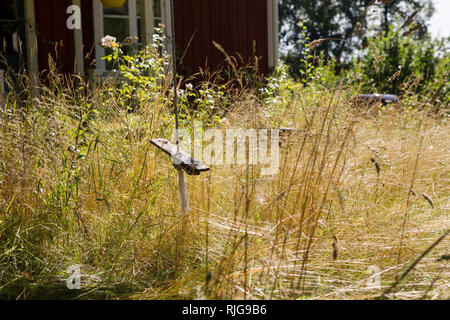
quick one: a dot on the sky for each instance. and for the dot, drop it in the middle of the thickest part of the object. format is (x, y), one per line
(440, 22)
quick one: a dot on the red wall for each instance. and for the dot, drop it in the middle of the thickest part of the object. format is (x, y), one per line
(87, 12)
(234, 24)
(51, 18)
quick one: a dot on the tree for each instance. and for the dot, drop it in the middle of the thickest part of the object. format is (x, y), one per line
(395, 63)
(345, 22)
(418, 10)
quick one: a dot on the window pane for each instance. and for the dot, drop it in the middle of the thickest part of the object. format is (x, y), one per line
(116, 27)
(123, 10)
(157, 8)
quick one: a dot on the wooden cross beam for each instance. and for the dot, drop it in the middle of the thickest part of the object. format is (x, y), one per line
(182, 160)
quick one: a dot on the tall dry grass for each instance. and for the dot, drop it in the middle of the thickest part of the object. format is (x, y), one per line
(81, 184)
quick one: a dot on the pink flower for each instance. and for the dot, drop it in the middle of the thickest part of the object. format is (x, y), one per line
(108, 41)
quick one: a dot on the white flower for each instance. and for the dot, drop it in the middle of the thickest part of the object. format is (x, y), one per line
(108, 41)
(189, 86)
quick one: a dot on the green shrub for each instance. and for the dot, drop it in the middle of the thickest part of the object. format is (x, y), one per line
(400, 64)
(140, 75)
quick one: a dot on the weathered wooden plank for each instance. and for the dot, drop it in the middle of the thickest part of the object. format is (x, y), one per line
(182, 160)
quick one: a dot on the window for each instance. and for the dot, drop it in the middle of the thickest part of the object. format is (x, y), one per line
(121, 23)
(157, 12)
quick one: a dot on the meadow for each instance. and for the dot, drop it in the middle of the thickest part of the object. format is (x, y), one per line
(361, 194)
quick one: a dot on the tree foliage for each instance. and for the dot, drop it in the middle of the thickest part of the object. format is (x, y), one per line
(397, 63)
(347, 23)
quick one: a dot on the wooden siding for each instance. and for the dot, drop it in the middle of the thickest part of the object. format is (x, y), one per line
(234, 24)
(51, 26)
(88, 33)
(51, 18)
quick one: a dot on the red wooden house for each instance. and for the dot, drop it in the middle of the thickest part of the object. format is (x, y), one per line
(40, 24)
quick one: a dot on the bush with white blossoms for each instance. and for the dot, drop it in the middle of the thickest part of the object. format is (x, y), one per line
(140, 76)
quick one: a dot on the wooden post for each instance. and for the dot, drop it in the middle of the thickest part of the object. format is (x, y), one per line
(182, 161)
(183, 193)
(32, 50)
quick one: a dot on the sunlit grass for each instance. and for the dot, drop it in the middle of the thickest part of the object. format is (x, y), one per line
(81, 184)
